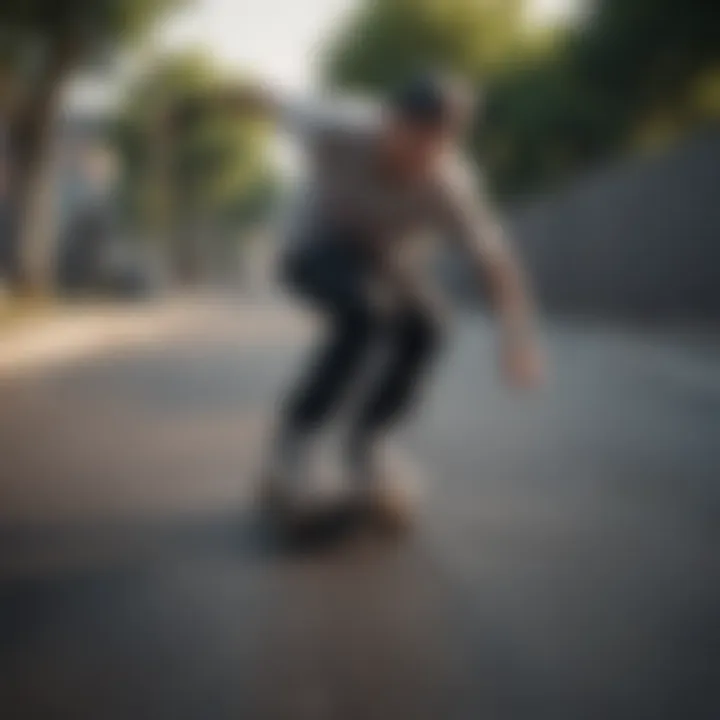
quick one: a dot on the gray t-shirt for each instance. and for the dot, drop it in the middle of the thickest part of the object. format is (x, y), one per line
(346, 189)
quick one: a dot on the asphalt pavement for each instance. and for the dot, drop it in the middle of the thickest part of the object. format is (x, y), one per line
(565, 563)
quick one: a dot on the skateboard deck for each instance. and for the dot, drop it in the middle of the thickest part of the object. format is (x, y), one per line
(329, 509)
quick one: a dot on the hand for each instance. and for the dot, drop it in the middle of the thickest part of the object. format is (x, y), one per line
(523, 364)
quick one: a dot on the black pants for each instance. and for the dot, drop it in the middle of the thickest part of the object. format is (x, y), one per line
(333, 275)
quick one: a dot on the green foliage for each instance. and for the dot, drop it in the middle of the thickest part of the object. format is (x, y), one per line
(390, 38)
(636, 74)
(214, 168)
(42, 44)
(87, 20)
(544, 122)
(38, 36)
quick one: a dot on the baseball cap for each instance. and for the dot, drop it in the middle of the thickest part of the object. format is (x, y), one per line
(432, 99)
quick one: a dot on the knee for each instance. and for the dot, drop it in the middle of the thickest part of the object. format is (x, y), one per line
(422, 333)
(359, 324)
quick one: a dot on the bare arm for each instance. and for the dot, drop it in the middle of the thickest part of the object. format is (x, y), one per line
(496, 264)
(472, 223)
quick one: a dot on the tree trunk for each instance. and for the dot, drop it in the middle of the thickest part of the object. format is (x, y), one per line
(31, 166)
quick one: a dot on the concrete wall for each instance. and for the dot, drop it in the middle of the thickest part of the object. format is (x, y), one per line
(637, 241)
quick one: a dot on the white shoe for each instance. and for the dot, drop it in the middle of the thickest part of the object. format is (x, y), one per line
(387, 487)
(294, 489)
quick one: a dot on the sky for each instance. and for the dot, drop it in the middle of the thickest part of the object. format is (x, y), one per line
(273, 38)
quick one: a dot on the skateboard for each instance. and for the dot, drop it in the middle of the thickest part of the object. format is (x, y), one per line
(327, 507)
(333, 516)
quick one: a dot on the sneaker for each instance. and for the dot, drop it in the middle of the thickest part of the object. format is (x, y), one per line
(385, 487)
(291, 490)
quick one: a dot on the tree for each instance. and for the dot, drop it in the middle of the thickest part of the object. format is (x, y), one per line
(42, 43)
(202, 180)
(636, 73)
(543, 123)
(388, 39)
(646, 56)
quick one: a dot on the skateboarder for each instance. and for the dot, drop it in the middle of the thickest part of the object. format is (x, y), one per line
(381, 179)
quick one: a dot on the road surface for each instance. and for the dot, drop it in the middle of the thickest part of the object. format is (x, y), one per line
(566, 567)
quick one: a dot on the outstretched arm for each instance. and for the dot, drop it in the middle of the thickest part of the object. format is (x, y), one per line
(498, 269)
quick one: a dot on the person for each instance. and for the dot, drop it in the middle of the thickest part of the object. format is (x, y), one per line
(381, 177)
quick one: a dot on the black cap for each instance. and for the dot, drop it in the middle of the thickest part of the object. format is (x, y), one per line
(431, 99)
